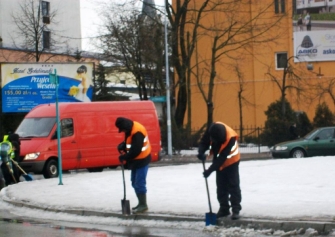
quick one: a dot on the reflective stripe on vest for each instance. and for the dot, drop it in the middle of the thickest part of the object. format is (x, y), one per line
(234, 155)
(6, 149)
(146, 147)
(145, 141)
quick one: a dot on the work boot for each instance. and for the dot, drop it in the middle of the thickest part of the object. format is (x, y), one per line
(133, 208)
(235, 216)
(142, 206)
(223, 212)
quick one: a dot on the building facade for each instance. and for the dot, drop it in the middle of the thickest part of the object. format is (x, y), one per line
(53, 25)
(249, 70)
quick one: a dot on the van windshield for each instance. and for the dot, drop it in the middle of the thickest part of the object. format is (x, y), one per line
(35, 127)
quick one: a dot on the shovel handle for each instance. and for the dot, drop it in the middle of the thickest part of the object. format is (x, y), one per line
(209, 199)
(124, 182)
(17, 165)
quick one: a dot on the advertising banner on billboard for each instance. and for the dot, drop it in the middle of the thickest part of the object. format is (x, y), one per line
(314, 30)
(25, 86)
(314, 45)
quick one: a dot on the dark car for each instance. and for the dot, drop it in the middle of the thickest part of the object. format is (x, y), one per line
(319, 142)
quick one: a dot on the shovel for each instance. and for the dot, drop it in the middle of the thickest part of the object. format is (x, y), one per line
(210, 216)
(124, 203)
(26, 176)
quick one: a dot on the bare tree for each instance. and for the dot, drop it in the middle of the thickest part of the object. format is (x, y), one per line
(228, 27)
(31, 28)
(242, 100)
(323, 88)
(183, 40)
(291, 80)
(135, 41)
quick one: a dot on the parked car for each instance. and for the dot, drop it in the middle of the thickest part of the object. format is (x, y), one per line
(319, 142)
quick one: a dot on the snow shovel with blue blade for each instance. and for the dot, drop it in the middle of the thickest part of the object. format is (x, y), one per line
(26, 176)
(125, 204)
(210, 217)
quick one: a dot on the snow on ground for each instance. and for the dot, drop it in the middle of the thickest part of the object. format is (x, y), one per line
(284, 189)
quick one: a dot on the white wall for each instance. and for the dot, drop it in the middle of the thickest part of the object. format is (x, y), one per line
(0, 19)
(66, 28)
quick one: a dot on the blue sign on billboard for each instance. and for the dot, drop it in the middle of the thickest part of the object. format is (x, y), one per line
(25, 86)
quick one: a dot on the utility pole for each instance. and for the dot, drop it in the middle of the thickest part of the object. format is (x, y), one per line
(54, 79)
(168, 101)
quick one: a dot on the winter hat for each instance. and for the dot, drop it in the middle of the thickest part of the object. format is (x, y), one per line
(218, 133)
(123, 124)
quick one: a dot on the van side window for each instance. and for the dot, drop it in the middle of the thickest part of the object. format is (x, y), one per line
(67, 127)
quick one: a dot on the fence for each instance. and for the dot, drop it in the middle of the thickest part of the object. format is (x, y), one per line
(250, 139)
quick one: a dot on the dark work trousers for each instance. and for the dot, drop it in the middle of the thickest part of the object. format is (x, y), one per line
(228, 188)
(7, 174)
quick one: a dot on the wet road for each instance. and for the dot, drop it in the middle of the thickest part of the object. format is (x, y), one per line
(14, 226)
(11, 229)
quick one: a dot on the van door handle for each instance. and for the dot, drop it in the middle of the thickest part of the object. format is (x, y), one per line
(73, 142)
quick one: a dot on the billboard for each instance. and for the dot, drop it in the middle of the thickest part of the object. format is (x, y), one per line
(26, 85)
(311, 46)
(314, 31)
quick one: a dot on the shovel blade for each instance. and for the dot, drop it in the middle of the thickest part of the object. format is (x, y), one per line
(28, 177)
(125, 207)
(210, 219)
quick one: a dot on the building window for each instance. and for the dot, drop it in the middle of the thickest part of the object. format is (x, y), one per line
(281, 60)
(279, 6)
(46, 39)
(45, 8)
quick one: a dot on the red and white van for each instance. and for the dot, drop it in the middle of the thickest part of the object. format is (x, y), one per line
(89, 137)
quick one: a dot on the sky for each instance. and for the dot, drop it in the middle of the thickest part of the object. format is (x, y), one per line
(91, 21)
(276, 188)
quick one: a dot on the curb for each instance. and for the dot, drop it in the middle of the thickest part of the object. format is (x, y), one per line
(322, 227)
(81, 212)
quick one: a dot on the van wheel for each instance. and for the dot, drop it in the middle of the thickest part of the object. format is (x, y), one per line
(95, 170)
(50, 169)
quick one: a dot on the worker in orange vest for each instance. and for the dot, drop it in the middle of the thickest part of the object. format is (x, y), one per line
(222, 141)
(136, 152)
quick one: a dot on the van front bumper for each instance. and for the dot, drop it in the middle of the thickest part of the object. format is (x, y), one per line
(34, 167)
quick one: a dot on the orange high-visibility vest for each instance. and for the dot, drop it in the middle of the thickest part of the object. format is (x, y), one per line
(146, 147)
(234, 155)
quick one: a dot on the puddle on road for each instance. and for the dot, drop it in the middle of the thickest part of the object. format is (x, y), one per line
(15, 227)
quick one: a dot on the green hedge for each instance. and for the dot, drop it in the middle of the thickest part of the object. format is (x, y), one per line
(319, 17)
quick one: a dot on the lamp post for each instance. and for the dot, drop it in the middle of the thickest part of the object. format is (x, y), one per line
(168, 102)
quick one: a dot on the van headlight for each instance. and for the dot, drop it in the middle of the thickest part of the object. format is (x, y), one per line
(32, 156)
(280, 148)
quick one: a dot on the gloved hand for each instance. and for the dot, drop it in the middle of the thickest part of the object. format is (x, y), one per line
(121, 147)
(201, 156)
(207, 173)
(122, 158)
